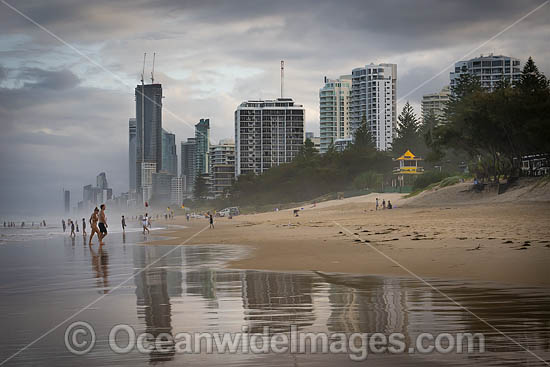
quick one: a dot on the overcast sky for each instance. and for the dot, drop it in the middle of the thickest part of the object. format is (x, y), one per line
(64, 119)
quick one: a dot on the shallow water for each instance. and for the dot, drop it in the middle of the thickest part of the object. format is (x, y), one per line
(166, 289)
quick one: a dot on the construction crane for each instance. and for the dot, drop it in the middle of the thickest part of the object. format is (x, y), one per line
(153, 70)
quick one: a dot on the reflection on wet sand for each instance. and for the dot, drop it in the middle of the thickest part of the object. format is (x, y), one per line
(187, 289)
(329, 302)
(100, 265)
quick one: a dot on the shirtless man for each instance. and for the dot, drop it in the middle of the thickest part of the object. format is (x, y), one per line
(102, 224)
(93, 224)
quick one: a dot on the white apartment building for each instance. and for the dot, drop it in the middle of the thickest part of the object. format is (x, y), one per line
(267, 133)
(222, 167)
(177, 188)
(373, 96)
(334, 99)
(147, 170)
(489, 69)
(435, 103)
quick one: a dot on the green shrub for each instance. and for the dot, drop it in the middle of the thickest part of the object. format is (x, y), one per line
(449, 181)
(428, 178)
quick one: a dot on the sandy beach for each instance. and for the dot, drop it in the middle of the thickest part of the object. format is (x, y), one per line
(504, 238)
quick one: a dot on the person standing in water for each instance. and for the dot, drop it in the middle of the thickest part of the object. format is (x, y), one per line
(144, 222)
(62, 224)
(83, 227)
(102, 224)
(123, 222)
(72, 228)
(93, 225)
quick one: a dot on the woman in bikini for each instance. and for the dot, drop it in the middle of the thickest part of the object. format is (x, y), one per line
(93, 224)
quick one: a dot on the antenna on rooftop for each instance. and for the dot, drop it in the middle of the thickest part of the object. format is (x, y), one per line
(282, 77)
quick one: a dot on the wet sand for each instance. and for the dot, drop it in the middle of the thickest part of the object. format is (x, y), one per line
(501, 242)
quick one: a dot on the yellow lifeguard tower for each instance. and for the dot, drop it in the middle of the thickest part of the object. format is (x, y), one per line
(408, 165)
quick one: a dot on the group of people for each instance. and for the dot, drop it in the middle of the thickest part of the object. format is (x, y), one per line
(12, 224)
(98, 225)
(384, 205)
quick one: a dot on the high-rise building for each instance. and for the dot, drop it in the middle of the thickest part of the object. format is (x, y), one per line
(267, 133)
(162, 185)
(202, 141)
(489, 69)
(101, 181)
(222, 167)
(188, 157)
(434, 103)
(132, 153)
(147, 170)
(149, 128)
(177, 190)
(334, 99)
(373, 98)
(67, 200)
(169, 155)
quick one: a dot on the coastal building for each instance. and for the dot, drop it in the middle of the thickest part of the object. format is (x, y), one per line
(202, 141)
(177, 190)
(101, 181)
(409, 165)
(373, 99)
(147, 170)
(267, 133)
(334, 100)
(169, 154)
(161, 186)
(188, 157)
(67, 200)
(132, 153)
(148, 130)
(435, 103)
(341, 144)
(489, 69)
(222, 167)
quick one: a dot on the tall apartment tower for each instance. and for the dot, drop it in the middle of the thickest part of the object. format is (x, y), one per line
(169, 154)
(149, 129)
(435, 103)
(267, 133)
(188, 158)
(490, 70)
(132, 153)
(222, 167)
(373, 97)
(334, 99)
(202, 141)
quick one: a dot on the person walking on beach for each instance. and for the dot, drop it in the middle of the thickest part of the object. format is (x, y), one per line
(93, 225)
(144, 224)
(83, 227)
(123, 222)
(102, 224)
(62, 224)
(376, 203)
(72, 228)
(187, 216)
(383, 203)
(211, 221)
